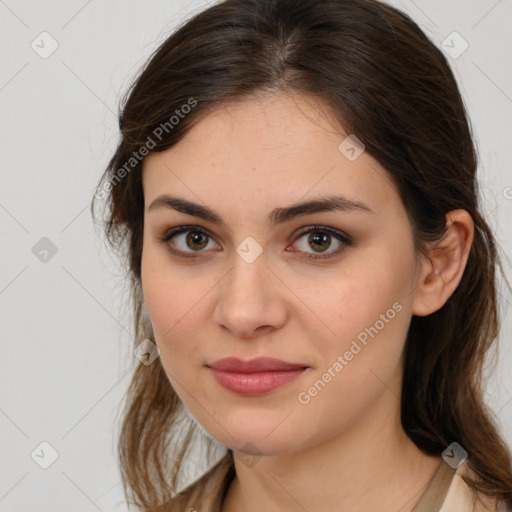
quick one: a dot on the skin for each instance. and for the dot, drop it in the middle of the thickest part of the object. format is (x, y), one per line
(345, 449)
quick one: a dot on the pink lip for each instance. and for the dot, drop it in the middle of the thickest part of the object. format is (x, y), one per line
(256, 376)
(259, 364)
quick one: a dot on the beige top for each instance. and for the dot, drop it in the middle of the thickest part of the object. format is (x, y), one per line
(446, 492)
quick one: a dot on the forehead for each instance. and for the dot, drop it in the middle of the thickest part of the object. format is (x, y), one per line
(280, 125)
(273, 146)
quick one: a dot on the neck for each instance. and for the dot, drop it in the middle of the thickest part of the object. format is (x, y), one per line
(372, 465)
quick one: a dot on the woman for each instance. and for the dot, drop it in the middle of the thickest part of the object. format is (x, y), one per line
(294, 192)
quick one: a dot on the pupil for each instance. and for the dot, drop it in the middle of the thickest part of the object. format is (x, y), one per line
(192, 239)
(318, 239)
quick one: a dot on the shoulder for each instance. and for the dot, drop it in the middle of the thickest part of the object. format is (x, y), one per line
(461, 497)
(203, 495)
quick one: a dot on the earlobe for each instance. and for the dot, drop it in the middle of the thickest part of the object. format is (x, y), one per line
(442, 271)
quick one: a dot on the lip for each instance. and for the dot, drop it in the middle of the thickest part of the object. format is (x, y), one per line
(259, 364)
(256, 376)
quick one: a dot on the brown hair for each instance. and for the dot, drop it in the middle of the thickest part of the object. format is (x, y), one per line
(391, 87)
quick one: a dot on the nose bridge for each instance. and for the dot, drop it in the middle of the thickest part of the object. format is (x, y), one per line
(247, 300)
(245, 281)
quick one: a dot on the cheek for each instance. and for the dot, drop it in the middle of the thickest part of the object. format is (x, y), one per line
(174, 307)
(356, 297)
(171, 299)
(360, 362)
(173, 314)
(365, 315)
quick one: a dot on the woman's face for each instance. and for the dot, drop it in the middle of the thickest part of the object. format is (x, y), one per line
(243, 285)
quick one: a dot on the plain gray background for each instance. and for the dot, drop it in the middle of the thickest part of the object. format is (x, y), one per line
(66, 334)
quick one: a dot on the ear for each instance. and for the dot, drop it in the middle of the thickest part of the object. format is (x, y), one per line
(441, 273)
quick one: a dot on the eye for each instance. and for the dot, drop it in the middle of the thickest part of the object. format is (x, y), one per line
(320, 239)
(186, 240)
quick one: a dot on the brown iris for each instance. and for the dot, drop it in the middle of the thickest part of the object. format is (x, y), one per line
(318, 238)
(194, 238)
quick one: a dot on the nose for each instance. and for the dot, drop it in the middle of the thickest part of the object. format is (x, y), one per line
(250, 300)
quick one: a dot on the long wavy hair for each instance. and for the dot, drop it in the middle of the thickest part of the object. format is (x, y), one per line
(388, 84)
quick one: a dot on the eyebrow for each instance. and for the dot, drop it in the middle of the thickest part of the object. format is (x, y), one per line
(276, 216)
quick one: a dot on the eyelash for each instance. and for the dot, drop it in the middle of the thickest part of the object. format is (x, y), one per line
(341, 237)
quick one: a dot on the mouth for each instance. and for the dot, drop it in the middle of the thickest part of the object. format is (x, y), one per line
(256, 376)
(259, 364)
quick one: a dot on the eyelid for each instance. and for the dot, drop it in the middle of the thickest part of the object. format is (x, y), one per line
(318, 227)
